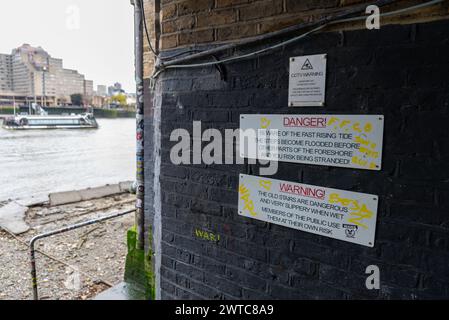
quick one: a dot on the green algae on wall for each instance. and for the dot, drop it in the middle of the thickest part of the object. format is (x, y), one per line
(139, 268)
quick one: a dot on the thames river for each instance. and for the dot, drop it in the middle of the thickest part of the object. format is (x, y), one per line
(35, 163)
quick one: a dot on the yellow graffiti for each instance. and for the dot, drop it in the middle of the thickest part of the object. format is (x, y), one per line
(369, 152)
(362, 141)
(363, 163)
(245, 195)
(348, 124)
(367, 128)
(265, 123)
(357, 212)
(266, 184)
(344, 123)
(209, 236)
(333, 120)
(368, 148)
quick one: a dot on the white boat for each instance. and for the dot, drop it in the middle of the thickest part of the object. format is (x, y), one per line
(27, 122)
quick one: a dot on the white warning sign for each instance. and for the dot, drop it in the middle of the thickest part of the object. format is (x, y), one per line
(333, 213)
(348, 141)
(307, 81)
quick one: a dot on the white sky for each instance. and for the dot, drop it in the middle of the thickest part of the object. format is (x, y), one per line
(99, 44)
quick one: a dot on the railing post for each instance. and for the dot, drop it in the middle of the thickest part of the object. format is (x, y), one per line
(33, 270)
(59, 231)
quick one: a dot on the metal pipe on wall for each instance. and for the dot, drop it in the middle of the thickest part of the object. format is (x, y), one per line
(140, 178)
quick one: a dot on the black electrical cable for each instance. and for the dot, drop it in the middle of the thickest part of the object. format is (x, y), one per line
(142, 8)
(326, 20)
(147, 33)
(329, 21)
(175, 55)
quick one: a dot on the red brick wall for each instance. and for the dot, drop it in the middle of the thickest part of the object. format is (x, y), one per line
(148, 56)
(188, 22)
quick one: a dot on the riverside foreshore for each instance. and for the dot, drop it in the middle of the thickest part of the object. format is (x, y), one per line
(94, 256)
(76, 265)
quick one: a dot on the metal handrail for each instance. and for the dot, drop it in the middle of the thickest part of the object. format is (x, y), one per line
(59, 231)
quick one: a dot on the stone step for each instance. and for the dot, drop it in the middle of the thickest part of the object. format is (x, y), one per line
(122, 291)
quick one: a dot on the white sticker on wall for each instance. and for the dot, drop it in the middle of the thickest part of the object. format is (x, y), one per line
(333, 213)
(348, 141)
(307, 85)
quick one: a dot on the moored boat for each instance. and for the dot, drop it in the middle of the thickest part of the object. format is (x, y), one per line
(27, 122)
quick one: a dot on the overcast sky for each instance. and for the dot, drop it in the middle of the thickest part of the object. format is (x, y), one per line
(94, 37)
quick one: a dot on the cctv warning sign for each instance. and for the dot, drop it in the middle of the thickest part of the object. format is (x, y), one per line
(307, 85)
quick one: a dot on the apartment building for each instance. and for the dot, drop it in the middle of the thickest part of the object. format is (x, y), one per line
(5, 73)
(30, 74)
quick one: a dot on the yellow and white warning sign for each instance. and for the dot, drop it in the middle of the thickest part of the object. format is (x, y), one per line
(343, 215)
(349, 141)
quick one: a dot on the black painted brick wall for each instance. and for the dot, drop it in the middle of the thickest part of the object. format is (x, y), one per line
(149, 159)
(399, 71)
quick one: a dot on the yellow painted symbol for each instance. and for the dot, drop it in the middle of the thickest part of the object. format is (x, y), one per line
(265, 123)
(266, 184)
(333, 120)
(368, 127)
(361, 140)
(245, 195)
(209, 236)
(356, 127)
(357, 212)
(369, 153)
(344, 123)
(358, 161)
(368, 149)
(335, 198)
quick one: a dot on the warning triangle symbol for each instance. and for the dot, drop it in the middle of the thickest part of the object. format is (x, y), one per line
(307, 65)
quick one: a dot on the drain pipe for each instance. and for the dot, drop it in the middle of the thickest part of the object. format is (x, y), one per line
(140, 177)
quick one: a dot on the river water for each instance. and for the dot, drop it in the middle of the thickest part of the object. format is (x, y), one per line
(35, 163)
